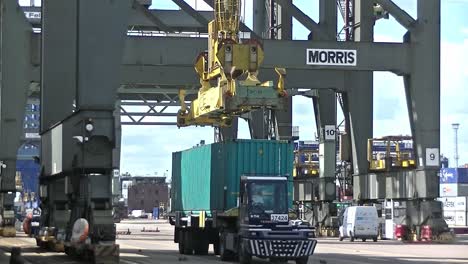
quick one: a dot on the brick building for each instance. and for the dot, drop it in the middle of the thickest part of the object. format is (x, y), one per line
(145, 193)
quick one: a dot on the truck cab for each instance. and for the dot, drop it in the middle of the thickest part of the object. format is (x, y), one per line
(264, 229)
(263, 201)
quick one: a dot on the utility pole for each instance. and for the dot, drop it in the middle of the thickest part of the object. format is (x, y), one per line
(455, 127)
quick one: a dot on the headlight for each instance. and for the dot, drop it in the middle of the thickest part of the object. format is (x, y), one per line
(310, 234)
(253, 233)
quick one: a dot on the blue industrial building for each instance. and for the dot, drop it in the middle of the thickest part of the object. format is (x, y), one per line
(30, 148)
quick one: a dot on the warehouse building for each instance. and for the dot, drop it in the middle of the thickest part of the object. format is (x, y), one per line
(148, 193)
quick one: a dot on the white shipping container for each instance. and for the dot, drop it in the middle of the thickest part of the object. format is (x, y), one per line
(448, 189)
(449, 217)
(453, 203)
(460, 218)
(460, 204)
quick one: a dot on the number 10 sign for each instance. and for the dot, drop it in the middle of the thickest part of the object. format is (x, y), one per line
(330, 132)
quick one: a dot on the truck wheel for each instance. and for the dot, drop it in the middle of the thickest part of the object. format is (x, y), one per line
(363, 240)
(244, 255)
(201, 246)
(188, 245)
(216, 247)
(340, 238)
(181, 242)
(351, 238)
(375, 239)
(302, 260)
(224, 254)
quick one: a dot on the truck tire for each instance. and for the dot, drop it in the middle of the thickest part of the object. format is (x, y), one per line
(364, 240)
(244, 255)
(224, 254)
(216, 247)
(181, 242)
(201, 246)
(375, 239)
(188, 245)
(302, 260)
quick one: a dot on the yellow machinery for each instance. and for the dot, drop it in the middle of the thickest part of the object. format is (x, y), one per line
(391, 152)
(228, 75)
(306, 163)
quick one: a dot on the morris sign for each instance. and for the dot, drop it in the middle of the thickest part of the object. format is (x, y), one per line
(331, 57)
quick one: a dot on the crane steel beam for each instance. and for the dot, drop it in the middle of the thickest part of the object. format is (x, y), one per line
(178, 20)
(281, 125)
(325, 116)
(150, 16)
(182, 52)
(360, 101)
(399, 14)
(192, 12)
(169, 61)
(423, 93)
(150, 123)
(243, 27)
(304, 19)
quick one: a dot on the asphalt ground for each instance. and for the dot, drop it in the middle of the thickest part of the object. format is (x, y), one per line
(158, 247)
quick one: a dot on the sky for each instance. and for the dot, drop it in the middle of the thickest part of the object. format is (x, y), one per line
(146, 150)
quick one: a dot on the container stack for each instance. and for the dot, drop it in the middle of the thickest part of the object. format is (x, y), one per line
(453, 193)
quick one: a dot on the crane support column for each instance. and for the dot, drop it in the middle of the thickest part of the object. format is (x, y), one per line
(264, 123)
(359, 98)
(258, 125)
(423, 95)
(15, 70)
(284, 118)
(423, 101)
(325, 120)
(325, 115)
(82, 47)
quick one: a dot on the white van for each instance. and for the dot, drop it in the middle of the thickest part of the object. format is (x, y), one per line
(359, 222)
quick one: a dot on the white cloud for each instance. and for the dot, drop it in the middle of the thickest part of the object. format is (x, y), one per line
(454, 109)
(148, 149)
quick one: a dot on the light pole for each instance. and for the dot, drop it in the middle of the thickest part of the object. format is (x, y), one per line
(455, 127)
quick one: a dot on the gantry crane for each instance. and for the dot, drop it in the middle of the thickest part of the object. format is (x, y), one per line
(228, 74)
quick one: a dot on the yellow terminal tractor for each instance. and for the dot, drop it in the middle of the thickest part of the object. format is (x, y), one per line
(228, 75)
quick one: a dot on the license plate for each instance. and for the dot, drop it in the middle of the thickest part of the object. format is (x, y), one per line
(35, 224)
(279, 217)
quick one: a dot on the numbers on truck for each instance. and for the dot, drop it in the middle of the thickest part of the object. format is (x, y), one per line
(279, 218)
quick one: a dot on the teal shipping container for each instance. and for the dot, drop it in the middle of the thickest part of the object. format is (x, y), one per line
(207, 177)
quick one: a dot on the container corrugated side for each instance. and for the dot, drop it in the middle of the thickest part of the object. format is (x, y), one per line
(205, 171)
(176, 203)
(196, 177)
(191, 179)
(253, 157)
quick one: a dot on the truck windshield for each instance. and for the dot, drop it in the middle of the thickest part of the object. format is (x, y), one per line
(268, 197)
